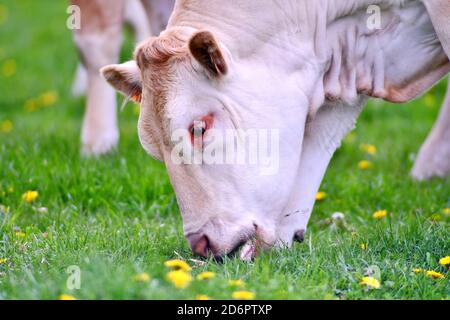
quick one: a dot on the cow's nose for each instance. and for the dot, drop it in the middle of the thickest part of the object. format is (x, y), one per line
(200, 244)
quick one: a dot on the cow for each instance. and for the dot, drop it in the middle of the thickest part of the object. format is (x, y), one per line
(301, 68)
(98, 41)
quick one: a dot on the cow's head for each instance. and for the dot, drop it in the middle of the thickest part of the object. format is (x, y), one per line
(194, 89)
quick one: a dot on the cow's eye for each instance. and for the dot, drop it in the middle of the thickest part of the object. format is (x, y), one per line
(197, 130)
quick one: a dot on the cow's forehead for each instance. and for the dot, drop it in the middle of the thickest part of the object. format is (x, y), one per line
(158, 59)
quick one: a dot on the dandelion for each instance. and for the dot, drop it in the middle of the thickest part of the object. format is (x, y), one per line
(430, 100)
(177, 264)
(364, 246)
(9, 68)
(243, 295)
(364, 164)
(370, 282)
(446, 211)
(417, 270)
(141, 277)
(379, 214)
(20, 234)
(202, 297)
(320, 195)
(445, 261)
(30, 196)
(368, 148)
(435, 217)
(236, 283)
(206, 275)
(3, 261)
(6, 126)
(66, 297)
(31, 105)
(10, 190)
(179, 278)
(434, 274)
(48, 98)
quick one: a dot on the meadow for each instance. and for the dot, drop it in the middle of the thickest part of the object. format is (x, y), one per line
(116, 217)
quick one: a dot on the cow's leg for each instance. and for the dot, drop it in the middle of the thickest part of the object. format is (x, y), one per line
(433, 159)
(323, 135)
(136, 17)
(99, 41)
(79, 86)
(158, 12)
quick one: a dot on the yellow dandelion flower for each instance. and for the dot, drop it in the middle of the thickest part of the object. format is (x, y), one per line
(141, 277)
(243, 295)
(445, 261)
(370, 282)
(66, 297)
(20, 234)
(446, 211)
(179, 278)
(436, 217)
(434, 274)
(430, 100)
(10, 190)
(364, 164)
(31, 105)
(177, 264)
(379, 214)
(3, 260)
(364, 246)
(206, 275)
(30, 196)
(6, 126)
(9, 68)
(202, 297)
(320, 195)
(368, 148)
(48, 98)
(417, 270)
(236, 283)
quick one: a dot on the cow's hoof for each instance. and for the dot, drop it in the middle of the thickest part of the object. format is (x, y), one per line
(299, 236)
(431, 165)
(99, 145)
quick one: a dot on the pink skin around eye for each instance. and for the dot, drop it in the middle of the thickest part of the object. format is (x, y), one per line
(208, 121)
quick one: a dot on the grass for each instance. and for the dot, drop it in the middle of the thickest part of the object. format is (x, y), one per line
(117, 216)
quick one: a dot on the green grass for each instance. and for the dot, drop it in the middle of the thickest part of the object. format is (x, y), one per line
(117, 216)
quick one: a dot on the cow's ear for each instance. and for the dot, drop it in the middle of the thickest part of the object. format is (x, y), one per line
(206, 50)
(125, 78)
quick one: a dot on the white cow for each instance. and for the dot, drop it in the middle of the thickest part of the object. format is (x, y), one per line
(302, 68)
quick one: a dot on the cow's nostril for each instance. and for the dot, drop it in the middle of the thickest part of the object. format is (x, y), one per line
(200, 245)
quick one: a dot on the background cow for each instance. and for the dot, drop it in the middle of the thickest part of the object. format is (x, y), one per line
(99, 41)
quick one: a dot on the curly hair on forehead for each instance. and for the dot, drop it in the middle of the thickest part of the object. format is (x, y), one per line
(159, 50)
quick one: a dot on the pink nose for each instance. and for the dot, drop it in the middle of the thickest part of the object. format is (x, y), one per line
(200, 244)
